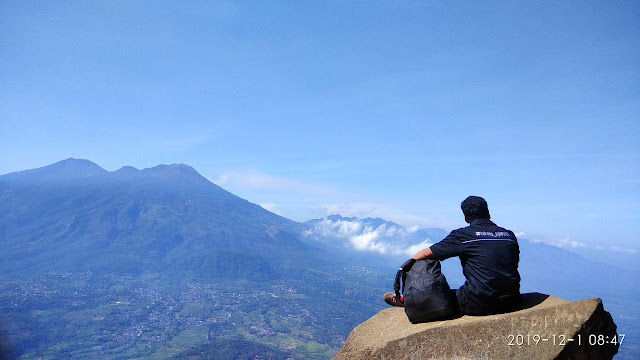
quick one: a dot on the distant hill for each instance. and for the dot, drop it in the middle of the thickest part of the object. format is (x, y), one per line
(75, 216)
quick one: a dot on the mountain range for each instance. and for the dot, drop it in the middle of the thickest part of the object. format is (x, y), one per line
(75, 216)
(140, 263)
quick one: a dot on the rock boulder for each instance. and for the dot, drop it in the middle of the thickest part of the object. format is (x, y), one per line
(543, 327)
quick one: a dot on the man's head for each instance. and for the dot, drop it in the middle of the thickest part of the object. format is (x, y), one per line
(475, 207)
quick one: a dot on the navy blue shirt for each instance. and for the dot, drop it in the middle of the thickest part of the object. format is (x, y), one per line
(489, 256)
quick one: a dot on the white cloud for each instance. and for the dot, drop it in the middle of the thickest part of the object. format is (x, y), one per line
(622, 250)
(362, 210)
(413, 249)
(357, 210)
(412, 229)
(286, 192)
(384, 239)
(367, 240)
(255, 180)
(271, 207)
(565, 242)
(339, 228)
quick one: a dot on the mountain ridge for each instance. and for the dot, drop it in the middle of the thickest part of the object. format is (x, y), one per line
(141, 218)
(70, 168)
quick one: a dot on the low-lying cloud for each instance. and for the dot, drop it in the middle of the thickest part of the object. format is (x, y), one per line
(360, 235)
(385, 211)
(564, 242)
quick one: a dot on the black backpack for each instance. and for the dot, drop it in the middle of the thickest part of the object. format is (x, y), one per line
(427, 295)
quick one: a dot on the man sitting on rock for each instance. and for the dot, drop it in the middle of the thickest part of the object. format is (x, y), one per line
(489, 256)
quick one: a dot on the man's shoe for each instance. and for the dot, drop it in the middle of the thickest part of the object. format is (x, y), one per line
(390, 298)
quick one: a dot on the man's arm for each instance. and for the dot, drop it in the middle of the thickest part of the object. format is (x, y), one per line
(448, 247)
(423, 254)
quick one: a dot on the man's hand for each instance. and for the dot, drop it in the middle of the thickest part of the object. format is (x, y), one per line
(423, 254)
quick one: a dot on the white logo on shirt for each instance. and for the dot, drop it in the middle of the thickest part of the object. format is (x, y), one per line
(493, 234)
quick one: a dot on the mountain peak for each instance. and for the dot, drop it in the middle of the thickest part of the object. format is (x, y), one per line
(70, 168)
(172, 169)
(73, 169)
(79, 165)
(336, 217)
(176, 171)
(374, 222)
(127, 170)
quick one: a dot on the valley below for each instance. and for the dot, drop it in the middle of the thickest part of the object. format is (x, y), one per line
(115, 316)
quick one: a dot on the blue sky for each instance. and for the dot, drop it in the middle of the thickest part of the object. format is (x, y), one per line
(397, 109)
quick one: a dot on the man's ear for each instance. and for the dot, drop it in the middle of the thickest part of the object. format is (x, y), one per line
(466, 219)
(488, 216)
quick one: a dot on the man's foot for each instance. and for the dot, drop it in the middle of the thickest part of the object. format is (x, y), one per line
(390, 298)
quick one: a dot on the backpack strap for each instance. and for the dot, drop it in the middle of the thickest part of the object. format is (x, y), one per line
(396, 284)
(402, 274)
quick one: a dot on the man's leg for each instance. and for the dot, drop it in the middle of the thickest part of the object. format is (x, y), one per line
(454, 300)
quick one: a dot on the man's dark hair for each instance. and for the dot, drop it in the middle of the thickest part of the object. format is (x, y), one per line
(475, 207)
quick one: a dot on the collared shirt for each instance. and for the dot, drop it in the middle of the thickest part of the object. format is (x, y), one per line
(489, 256)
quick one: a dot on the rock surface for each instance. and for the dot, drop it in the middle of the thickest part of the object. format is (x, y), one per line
(519, 334)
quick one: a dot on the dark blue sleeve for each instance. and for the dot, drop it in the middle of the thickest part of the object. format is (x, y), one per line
(448, 247)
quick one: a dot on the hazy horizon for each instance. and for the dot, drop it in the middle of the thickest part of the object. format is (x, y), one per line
(388, 239)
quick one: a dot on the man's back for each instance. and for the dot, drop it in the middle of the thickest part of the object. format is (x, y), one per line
(489, 256)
